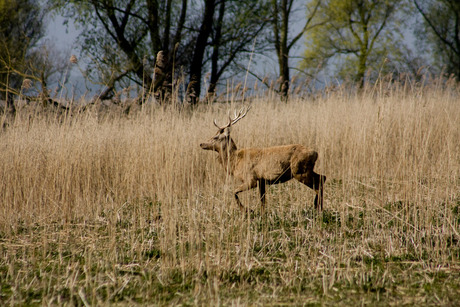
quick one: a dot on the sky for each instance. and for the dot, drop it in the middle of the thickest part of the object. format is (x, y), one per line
(63, 35)
(64, 38)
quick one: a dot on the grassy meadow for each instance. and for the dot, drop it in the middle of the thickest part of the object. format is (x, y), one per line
(107, 208)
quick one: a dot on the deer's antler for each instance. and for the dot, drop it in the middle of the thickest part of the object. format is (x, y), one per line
(231, 121)
(242, 113)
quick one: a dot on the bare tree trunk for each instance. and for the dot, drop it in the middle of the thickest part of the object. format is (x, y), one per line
(284, 51)
(282, 44)
(215, 53)
(280, 29)
(194, 87)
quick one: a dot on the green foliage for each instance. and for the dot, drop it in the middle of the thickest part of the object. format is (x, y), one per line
(354, 38)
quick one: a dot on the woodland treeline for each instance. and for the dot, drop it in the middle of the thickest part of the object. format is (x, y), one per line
(157, 44)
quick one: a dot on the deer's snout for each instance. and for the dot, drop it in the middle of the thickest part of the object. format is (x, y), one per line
(204, 146)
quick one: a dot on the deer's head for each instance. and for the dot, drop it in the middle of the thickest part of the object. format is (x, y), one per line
(221, 141)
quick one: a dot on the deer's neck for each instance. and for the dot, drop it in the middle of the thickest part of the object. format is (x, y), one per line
(226, 156)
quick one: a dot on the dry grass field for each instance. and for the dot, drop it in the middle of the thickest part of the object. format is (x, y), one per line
(102, 208)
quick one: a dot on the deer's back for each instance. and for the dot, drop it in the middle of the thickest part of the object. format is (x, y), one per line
(276, 163)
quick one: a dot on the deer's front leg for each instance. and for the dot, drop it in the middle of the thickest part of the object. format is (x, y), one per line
(244, 187)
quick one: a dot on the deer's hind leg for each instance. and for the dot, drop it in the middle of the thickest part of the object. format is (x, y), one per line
(315, 182)
(262, 184)
(262, 191)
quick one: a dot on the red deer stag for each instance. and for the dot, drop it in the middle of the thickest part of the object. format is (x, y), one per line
(261, 166)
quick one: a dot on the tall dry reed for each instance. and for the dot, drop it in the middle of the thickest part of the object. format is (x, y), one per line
(98, 208)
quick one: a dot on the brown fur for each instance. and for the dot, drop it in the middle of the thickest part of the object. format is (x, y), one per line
(271, 165)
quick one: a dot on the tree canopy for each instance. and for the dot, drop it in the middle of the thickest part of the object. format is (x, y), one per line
(355, 36)
(441, 33)
(123, 39)
(175, 45)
